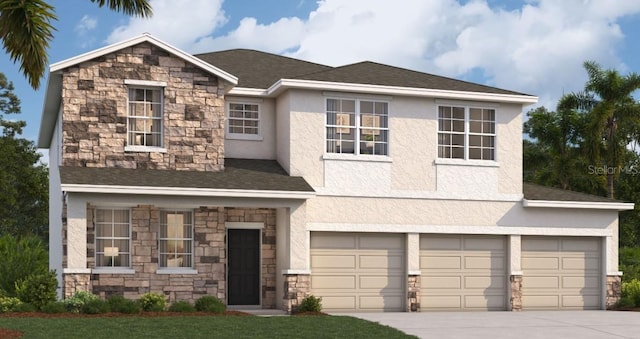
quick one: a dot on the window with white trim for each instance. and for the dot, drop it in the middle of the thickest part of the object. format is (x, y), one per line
(176, 239)
(466, 133)
(357, 126)
(144, 121)
(112, 237)
(244, 120)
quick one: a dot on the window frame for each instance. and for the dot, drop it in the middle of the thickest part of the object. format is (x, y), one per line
(112, 238)
(357, 127)
(467, 132)
(243, 136)
(191, 253)
(153, 86)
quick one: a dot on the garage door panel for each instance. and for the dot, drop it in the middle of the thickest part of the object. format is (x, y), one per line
(490, 282)
(333, 241)
(540, 263)
(484, 263)
(580, 264)
(440, 262)
(483, 302)
(541, 301)
(579, 301)
(537, 282)
(441, 243)
(581, 282)
(541, 244)
(338, 302)
(382, 242)
(581, 245)
(382, 261)
(388, 302)
(442, 301)
(482, 243)
(379, 282)
(334, 281)
(334, 261)
(431, 282)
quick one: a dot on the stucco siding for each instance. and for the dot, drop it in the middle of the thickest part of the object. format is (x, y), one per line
(283, 145)
(265, 146)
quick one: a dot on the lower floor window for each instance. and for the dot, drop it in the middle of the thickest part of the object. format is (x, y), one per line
(176, 239)
(113, 237)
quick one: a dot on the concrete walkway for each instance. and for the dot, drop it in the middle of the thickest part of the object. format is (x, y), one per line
(519, 325)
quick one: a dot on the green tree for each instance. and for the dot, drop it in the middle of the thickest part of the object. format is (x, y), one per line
(26, 30)
(24, 202)
(613, 117)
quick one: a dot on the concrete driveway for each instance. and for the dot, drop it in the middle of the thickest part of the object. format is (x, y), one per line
(520, 325)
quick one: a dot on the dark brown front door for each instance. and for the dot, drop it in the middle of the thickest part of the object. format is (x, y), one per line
(244, 267)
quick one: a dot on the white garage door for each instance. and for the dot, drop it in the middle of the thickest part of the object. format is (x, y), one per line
(561, 273)
(358, 272)
(463, 272)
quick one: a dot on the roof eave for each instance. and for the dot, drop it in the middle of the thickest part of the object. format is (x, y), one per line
(618, 206)
(50, 109)
(187, 191)
(284, 84)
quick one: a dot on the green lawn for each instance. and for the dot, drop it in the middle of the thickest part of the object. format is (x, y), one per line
(201, 327)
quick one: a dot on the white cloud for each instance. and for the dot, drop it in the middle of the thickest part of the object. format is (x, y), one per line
(538, 48)
(86, 24)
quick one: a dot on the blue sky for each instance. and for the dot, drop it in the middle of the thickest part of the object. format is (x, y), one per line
(536, 47)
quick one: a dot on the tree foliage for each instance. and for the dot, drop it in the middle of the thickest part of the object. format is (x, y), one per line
(26, 30)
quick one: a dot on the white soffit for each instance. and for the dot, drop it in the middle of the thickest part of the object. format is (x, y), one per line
(619, 206)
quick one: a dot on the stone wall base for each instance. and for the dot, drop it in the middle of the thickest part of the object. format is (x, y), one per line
(413, 293)
(614, 290)
(296, 288)
(75, 282)
(515, 302)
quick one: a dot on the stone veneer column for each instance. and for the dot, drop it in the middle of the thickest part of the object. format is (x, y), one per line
(516, 293)
(296, 288)
(413, 293)
(76, 282)
(614, 290)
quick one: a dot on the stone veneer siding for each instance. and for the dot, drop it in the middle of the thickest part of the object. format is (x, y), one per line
(515, 301)
(95, 99)
(296, 288)
(209, 257)
(413, 293)
(614, 290)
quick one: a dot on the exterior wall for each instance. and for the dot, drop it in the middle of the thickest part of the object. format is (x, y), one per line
(94, 101)
(265, 147)
(515, 299)
(55, 204)
(413, 293)
(613, 290)
(283, 131)
(210, 260)
(296, 288)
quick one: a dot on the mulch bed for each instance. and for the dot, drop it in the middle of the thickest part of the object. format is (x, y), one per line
(113, 315)
(6, 333)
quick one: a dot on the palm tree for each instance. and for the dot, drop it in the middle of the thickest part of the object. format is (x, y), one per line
(613, 117)
(26, 30)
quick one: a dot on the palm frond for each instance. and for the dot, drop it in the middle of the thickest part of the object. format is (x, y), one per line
(140, 8)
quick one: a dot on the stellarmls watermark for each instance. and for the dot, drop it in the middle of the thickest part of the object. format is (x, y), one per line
(607, 170)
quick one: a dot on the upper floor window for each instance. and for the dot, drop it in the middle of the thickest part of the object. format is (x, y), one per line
(176, 239)
(243, 121)
(145, 117)
(466, 133)
(113, 237)
(357, 126)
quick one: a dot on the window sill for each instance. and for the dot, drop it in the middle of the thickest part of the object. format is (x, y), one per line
(248, 137)
(148, 149)
(354, 157)
(113, 270)
(176, 271)
(462, 162)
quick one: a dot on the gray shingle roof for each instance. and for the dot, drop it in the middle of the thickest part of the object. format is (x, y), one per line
(256, 69)
(537, 192)
(239, 174)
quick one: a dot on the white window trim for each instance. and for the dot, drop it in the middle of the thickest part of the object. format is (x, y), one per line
(466, 161)
(179, 270)
(112, 269)
(241, 136)
(144, 84)
(357, 128)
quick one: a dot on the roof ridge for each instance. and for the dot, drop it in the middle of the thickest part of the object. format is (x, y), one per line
(267, 53)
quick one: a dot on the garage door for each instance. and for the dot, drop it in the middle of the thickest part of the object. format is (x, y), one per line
(463, 272)
(561, 273)
(358, 272)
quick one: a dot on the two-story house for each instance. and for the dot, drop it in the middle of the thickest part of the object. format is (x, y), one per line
(261, 179)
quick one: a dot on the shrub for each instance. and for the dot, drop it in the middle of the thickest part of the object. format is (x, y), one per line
(630, 263)
(153, 302)
(630, 293)
(25, 308)
(74, 303)
(210, 304)
(38, 289)
(55, 307)
(310, 304)
(95, 307)
(20, 258)
(182, 306)
(121, 304)
(9, 304)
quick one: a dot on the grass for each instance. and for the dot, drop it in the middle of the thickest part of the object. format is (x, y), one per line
(200, 327)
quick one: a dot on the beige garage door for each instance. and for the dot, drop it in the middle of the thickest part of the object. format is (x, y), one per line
(561, 273)
(463, 272)
(358, 272)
